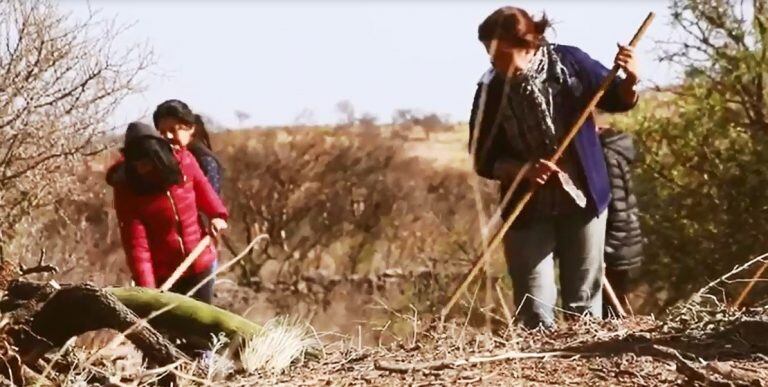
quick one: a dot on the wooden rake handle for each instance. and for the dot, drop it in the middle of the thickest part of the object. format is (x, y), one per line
(498, 236)
(750, 284)
(186, 263)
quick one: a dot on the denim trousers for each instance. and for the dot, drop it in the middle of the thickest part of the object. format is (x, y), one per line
(577, 241)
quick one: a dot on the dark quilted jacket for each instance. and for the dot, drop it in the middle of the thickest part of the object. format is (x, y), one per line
(623, 239)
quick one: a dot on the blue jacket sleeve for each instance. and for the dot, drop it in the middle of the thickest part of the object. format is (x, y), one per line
(212, 171)
(592, 74)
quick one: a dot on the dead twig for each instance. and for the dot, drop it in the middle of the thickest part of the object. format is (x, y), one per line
(613, 298)
(750, 284)
(469, 314)
(199, 248)
(439, 365)
(686, 369)
(50, 364)
(503, 303)
(724, 278)
(40, 267)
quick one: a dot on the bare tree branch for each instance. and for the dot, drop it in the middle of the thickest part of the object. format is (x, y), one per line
(62, 80)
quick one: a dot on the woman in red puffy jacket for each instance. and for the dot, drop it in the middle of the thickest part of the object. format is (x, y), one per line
(158, 192)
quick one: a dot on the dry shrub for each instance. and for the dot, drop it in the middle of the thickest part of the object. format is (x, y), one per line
(62, 79)
(79, 233)
(405, 121)
(346, 203)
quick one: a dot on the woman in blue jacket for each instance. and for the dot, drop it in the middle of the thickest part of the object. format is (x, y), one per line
(523, 107)
(197, 140)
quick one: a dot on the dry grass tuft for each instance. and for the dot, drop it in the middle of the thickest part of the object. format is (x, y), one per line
(283, 341)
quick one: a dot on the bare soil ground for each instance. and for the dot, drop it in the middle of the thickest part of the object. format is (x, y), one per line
(611, 353)
(700, 347)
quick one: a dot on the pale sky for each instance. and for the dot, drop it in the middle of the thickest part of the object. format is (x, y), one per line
(275, 59)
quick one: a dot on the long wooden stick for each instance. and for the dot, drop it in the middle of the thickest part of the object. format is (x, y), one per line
(186, 263)
(612, 296)
(749, 286)
(497, 238)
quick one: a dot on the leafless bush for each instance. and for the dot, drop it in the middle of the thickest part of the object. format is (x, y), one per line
(242, 116)
(345, 202)
(61, 80)
(349, 119)
(368, 122)
(347, 112)
(406, 120)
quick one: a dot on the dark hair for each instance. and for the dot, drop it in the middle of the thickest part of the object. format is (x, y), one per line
(201, 142)
(201, 133)
(173, 108)
(514, 26)
(158, 152)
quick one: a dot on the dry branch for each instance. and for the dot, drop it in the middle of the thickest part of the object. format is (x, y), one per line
(60, 81)
(726, 277)
(45, 317)
(40, 268)
(445, 364)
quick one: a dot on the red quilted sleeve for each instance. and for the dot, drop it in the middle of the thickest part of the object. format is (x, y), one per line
(134, 238)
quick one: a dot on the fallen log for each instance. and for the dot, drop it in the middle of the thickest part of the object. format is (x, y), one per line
(44, 316)
(56, 314)
(185, 317)
(192, 321)
(83, 308)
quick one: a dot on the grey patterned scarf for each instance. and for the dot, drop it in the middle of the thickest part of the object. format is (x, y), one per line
(527, 114)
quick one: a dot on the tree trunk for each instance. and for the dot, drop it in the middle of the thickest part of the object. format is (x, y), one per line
(77, 309)
(44, 316)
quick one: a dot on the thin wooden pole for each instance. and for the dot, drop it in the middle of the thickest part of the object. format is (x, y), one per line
(750, 284)
(187, 262)
(612, 296)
